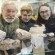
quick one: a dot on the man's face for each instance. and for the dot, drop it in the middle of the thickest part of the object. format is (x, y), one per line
(26, 16)
(45, 12)
(9, 13)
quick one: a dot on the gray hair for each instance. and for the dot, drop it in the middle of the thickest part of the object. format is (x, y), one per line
(9, 3)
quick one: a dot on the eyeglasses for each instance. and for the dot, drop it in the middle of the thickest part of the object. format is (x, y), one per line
(44, 11)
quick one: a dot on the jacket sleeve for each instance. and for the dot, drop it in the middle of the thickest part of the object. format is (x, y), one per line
(16, 26)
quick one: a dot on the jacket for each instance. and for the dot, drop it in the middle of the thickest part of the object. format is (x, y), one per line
(10, 29)
(26, 26)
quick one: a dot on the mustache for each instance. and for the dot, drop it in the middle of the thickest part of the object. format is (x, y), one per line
(10, 17)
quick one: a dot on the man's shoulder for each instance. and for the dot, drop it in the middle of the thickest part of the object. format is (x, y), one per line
(1, 25)
(0, 16)
(16, 20)
(32, 21)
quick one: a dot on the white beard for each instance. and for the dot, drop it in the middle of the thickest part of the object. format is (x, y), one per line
(8, 20)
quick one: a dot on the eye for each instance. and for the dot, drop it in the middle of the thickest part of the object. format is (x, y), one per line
(25, 15)
(29, 15)
(44, 11)
(9, 10)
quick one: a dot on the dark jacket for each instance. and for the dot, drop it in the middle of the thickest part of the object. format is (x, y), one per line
(50, 27)
(49, 24)
(26, 26)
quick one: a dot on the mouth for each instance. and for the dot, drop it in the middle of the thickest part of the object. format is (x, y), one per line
(10, 18)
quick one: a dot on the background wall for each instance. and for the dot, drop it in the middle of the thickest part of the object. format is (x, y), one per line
(34, 3)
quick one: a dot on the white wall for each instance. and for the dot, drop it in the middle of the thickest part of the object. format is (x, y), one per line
(20, 3)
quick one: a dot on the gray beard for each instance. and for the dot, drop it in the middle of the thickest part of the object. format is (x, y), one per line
(9, 20)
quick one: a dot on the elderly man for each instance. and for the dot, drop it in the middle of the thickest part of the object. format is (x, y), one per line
(9, 22)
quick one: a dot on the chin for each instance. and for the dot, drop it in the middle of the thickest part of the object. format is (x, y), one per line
(46, 19)
(9, 21)
(26, 21)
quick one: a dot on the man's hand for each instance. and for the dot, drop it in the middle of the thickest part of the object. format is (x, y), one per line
(43, 35)
(22, 34)
(2, 35)
(50, 34)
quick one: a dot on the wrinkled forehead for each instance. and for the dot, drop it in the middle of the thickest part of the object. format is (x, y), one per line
(9, 6)
(43, 8)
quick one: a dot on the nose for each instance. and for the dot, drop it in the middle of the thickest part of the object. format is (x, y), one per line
(11, 14)
(27, 17)
(44, 14)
